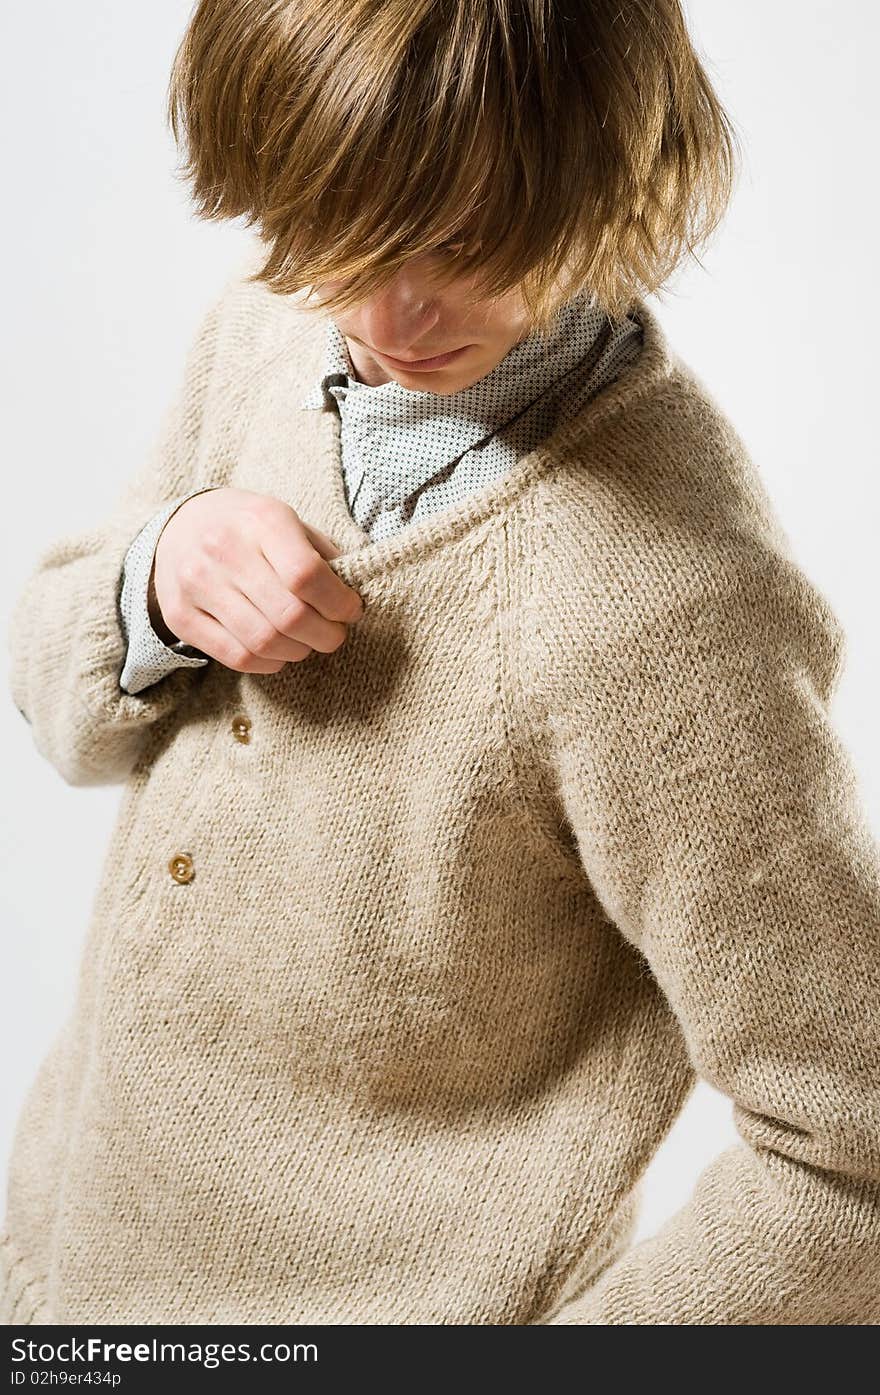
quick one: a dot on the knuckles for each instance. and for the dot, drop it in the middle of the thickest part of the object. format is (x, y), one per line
(303, 572)
(291, 615)
(261, 639)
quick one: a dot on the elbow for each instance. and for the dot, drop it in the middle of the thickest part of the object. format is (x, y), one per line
(86, 763)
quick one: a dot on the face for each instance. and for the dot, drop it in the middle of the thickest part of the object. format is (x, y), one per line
(412, 318)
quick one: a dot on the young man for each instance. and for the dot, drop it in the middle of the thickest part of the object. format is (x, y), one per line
(405, 958)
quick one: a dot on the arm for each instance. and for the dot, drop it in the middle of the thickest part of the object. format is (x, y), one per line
(717, 814)
(65, 636)
(148, 657)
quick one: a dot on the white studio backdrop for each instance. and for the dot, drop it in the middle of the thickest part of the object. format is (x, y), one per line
(109, 273)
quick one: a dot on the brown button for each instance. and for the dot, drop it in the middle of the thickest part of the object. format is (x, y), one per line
(241, 726)
(181, 867)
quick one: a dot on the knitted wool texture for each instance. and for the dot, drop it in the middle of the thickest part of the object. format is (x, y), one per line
(563, 824)
(413, 453)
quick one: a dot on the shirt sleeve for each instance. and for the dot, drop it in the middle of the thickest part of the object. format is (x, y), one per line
(66, 641)
(718, 815)
(147, 657)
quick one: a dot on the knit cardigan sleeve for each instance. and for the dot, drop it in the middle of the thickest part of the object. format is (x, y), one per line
(66, 639)
(718, 816)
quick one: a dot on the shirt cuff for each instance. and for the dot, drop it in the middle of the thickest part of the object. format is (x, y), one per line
(148, 658)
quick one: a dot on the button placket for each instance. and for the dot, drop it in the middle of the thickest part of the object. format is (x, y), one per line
(181, 864)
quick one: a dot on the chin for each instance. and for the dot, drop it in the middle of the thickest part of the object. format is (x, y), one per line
(441, 384)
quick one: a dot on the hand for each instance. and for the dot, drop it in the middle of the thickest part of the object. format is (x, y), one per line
(240, 576)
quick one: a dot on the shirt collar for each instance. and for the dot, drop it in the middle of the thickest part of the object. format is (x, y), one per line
(338, 368)
(527, 369)
(392, 432)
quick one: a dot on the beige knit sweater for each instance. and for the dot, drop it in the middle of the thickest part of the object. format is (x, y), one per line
(404, 959)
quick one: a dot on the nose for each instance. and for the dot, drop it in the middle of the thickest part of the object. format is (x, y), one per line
(401, 314)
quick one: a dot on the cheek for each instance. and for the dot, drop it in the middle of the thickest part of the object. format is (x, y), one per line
(512, 312)
(346, 321)
(323, 290)
(502, 328)
(502, 317)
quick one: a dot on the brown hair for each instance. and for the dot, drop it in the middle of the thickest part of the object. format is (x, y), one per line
(558, 145)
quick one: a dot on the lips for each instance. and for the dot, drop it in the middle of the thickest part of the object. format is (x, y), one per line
(419, 365)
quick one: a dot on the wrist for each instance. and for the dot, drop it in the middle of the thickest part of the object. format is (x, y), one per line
(167, 636)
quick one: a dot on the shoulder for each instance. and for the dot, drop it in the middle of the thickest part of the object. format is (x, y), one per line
(656, 543)
(248, 331)
(665, 478)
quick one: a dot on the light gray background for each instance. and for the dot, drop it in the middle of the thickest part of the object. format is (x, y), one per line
(108, 275)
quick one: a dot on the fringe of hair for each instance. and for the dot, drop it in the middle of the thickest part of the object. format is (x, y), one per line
(554, 145)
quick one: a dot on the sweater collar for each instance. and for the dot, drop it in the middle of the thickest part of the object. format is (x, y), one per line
(428, 428)
(300, 338)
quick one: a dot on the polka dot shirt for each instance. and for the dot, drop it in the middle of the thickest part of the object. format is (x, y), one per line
(407, 454)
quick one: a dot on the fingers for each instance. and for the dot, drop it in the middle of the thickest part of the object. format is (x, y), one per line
(214, 639)
(257, 591)
(320, 541)
(274, 626)
(286, 611)
(257, 617)
(303, 572)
